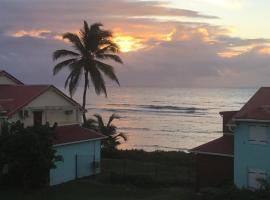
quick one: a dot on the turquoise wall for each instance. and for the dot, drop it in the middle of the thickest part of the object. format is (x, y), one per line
(66, 170)
(249, 156)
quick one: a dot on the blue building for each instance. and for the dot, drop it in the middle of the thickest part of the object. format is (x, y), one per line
(251, 127)
(244, 157)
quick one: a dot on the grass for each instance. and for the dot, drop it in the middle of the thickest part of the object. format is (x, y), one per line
(84, 190)
(148, 169)
(125, 175)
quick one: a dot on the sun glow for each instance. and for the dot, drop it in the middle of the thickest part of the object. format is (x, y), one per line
(128, 43)
(264, 51)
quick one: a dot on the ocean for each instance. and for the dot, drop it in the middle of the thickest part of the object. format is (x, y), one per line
(167, 118)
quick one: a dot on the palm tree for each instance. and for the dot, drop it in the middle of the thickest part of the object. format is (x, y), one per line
(110, 130)
(91, 47)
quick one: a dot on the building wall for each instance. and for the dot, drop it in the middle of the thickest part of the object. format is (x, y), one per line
(85, 153)
(53, 107)
(6, 81)
(249, 156)
(213, 170)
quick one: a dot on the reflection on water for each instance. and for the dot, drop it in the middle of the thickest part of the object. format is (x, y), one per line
(168, 119)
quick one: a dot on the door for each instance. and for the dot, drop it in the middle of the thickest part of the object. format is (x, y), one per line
(37, 117)
(254, 178)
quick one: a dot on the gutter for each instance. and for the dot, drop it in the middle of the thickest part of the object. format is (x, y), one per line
(79, 141)
(213, 154)
(252, 120)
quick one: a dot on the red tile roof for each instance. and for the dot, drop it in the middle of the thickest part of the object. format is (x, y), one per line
(258, 107)
(222, 146)
(74, 134)
(4, 73)
(15, 97)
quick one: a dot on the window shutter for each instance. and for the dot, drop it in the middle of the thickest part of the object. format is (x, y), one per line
(257, 135)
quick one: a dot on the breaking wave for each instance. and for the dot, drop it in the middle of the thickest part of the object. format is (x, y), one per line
(154, 108)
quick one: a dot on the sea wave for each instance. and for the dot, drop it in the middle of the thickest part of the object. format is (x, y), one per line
(154, 108)
(195, 113)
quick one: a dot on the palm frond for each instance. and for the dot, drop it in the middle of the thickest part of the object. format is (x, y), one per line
(122, 136)
(84, 33)
(74, 77)
(108, 41)
(98, 81)
(99, 120)
(75, 40)
(113, 57)
(62, 64)
(64, 53)
(95, 27)
(108, 71)
(112, 117)
(91, 124)
(74, 81)
(109, 48)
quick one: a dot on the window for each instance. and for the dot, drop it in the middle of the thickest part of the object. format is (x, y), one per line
(254, 178)
(37, 117)
(257, 135)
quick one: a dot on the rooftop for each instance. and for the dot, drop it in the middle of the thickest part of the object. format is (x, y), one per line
(15, 97)
(4, 73)
(74, 134)
(257, 108)
(222, 146)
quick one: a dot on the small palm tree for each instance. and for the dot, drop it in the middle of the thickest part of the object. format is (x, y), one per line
(91, 46)
(109, 130)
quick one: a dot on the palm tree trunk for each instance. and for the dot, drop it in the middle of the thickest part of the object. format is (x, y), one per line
(84, 95)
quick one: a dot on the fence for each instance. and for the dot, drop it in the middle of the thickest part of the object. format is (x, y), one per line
(123, 170)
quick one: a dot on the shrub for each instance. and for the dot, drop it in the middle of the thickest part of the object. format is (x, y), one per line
(27, 154)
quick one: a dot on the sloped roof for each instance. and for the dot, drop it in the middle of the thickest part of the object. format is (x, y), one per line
(6, 74)
(257, 108)
(15, 97)
(222, 146)
(70, 134)
(227, 120)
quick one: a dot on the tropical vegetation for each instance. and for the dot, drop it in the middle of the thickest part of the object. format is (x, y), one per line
(114, 138)
(26, 154)
(91, 47)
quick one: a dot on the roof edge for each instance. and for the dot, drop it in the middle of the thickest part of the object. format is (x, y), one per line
(17, 81)
(212, 154)
(79, 141)
(251, 120)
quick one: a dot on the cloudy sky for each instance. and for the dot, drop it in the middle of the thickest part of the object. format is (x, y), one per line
(171, 43)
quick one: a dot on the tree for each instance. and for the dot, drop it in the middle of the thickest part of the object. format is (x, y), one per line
(91, 46)
(26, 154)
(110, 130)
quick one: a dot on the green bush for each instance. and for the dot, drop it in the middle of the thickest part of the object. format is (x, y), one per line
(27, 154)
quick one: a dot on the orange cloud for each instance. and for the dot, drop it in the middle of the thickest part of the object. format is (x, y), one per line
(264, 51)
(38, 33)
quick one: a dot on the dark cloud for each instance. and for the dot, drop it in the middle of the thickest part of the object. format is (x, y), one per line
(189, 57)
(68, 13)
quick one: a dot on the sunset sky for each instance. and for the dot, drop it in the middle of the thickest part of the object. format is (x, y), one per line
(176, 43)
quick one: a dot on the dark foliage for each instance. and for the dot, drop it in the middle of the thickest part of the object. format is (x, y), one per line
(232, 193)
(148, 169)
(114, 138)
(26, 154)
(161, 157)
